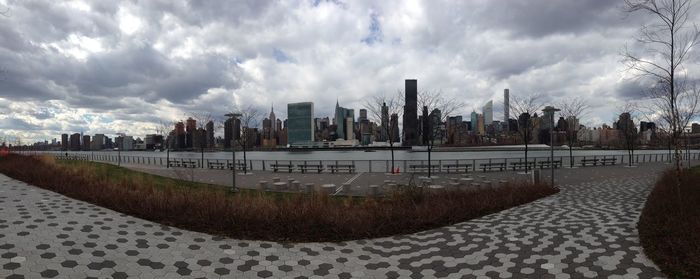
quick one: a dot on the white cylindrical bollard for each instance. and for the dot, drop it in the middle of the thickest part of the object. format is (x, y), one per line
(295, 186)
(309, 187)
(373, 190)
(436, 188)
(262, 185)
(275, 179)
(328, 189)
(279, 186)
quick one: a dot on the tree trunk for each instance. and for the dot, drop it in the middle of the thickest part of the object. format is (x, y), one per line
(571, 156)
(391, 148)
(526, 162)
(429, 162)
(245, 159)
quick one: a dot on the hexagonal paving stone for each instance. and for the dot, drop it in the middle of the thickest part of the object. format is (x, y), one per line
(8, 255)
(69, 264)
(120, 275)
(49, 273)
(204, 262)
(10, 266)
(222, 271)
(48, 255)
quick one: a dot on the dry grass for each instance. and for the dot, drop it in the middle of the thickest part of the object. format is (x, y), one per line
(669, 227)
(263, 216)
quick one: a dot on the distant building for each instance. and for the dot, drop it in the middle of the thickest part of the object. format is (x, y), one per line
(98, 142)
(75, 142)
(210, 134)
(344, 129)
(86, 143)
(474, 122)
(384, 134)
(64, 142)
(180, 136)
(228, 132)
(190, 129)
(410, 114)
(394, 123)
(127, 143)
(487, 110)
(695, 128)
(300, 123)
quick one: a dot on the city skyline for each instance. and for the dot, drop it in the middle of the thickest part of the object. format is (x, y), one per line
(124, 67)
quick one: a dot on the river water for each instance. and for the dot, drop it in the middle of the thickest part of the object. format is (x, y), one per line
(359, 155)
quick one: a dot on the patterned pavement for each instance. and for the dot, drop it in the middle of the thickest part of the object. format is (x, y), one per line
(585, 231)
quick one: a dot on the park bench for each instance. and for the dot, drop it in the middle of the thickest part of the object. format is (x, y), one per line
(549, 164)
(339, 168)
(608, 161)
(522, 165)
(457, 167)
(422, 168)
(586, 162)
(304, 167)
(216, 165)
(239, 166)
(188, 164)
(174, 163)
(492, 166)
(277, 166)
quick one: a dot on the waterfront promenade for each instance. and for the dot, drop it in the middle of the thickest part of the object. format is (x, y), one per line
(588, 230)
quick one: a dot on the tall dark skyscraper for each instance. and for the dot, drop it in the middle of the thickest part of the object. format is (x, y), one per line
(410, 113)
(385, 123)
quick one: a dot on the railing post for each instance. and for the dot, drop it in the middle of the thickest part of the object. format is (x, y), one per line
(473, 164)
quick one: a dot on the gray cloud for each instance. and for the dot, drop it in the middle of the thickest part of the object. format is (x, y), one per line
(121, 66)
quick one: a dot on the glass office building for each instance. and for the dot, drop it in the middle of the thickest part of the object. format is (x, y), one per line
(300, 123)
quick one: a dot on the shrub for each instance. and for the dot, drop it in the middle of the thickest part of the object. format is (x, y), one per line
(262, 216)
(670, 224)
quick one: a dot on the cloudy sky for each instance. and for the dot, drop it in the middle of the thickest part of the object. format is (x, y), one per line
(124, 66)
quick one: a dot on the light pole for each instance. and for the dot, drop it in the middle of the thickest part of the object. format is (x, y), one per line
(550, 110)
(233, 117)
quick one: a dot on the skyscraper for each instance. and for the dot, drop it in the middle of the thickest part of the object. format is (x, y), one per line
(341, 116)
(64, 142)
(410, 113)
(210, 133)
(190, 128)
(506, 109)
(273, 122)
(228, 132)
(474, 121)
(300, 123)
(385, 123)
(488, 113)
(394, 123)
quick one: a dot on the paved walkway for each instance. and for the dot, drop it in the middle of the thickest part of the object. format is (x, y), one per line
(585, 231)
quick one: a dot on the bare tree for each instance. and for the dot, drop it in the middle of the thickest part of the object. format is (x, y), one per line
(667, 45)
(163, 129)
(525, 108)
(627, 127)
(250, 119)
(572, 110)
(202, 119)
(381, 107)
(439, 107)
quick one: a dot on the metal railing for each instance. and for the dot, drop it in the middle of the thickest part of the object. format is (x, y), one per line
(384, 166)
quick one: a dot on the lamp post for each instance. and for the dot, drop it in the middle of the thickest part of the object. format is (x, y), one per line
(233, 117)
(550, 110)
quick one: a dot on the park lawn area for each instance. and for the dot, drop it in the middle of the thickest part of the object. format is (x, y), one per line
(249, 214)
(669, 226)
